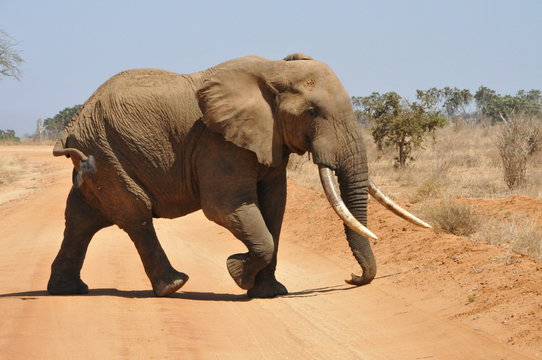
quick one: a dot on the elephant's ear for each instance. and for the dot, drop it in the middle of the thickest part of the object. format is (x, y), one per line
(237, 102)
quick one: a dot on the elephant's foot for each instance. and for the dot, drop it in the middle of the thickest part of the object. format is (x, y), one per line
(174, 282)
(66, 285)
(267, 289)
(240, 270)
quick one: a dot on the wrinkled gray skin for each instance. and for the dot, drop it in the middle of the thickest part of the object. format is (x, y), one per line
(163, 145)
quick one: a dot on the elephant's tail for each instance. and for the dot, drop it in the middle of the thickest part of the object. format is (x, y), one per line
(83, 164)
(60, 150)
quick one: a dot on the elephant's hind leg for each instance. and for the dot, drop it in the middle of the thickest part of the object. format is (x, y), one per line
(129, 206)
(164, 278)
(82, 222)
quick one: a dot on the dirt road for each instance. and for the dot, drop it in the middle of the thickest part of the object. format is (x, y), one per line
(322, 318)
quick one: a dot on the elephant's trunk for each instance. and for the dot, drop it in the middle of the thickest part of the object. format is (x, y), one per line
(355, 191)
(340, 148)
(354, 185)
(354, 216)
(332, 192)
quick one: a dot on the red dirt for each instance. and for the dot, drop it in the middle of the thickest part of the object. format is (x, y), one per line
(417, 308)
(485, 287)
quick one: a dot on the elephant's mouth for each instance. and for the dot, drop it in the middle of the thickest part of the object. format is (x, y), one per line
(332, 193)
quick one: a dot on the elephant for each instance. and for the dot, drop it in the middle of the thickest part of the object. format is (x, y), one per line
(151, 143)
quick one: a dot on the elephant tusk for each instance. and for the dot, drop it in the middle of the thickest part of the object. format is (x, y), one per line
(330, 188)
(393, 207)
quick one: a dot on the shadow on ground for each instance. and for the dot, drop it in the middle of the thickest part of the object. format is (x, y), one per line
(189, 295)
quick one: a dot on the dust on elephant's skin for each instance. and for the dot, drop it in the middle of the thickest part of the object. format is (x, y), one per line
(152, 143)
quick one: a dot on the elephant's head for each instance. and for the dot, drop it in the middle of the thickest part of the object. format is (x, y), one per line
(274, 108)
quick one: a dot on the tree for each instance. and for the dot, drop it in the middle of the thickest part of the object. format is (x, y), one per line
(40, 130)
(484, 98)
(453, 101)
(531, 102)
(399, 123)
(432, 98)
(52, 127)
(456, 101)
(8, 135)
(10, 60)
(500, 108)
(357, 106)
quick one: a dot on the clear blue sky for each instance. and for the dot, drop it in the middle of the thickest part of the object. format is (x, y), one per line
(71, 47)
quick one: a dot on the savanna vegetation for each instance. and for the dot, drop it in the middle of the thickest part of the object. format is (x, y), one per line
(459, 147)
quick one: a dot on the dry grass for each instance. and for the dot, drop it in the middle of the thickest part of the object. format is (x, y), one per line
(519, 235)
(11, 168)
(452, 218)
(462, 162)
(304, 172)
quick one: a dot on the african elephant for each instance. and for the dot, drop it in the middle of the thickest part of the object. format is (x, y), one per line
(155, 144)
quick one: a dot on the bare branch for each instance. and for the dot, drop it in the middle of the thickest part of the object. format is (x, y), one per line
(10, 60)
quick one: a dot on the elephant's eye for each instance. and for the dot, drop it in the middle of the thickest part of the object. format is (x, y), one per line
(313, 112)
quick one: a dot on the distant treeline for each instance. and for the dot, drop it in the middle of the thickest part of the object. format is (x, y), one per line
(8, 135)
(52, 127)
(484, 105)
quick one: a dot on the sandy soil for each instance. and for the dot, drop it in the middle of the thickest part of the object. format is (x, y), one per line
(418, 308)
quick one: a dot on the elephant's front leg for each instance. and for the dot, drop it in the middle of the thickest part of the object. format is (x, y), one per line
(247, 224)
(230, 194)
(272, 200)
(233, 203)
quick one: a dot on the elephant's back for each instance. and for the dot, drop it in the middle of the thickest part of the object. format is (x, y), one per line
(146, 101)
(137, 123)
(131, 100)
(143, 111)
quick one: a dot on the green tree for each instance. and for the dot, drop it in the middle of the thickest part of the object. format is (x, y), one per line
(54, 126)
(499, 108)
(453, 102)
(485, 99)
(8, 135)
(531, 102)
(456, 101)
(399, 123)
(357, 106)
(432, 98)
(10, 60)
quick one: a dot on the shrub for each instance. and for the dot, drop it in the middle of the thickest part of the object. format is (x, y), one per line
(451, 218)
(516, 140)
(535, 139)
